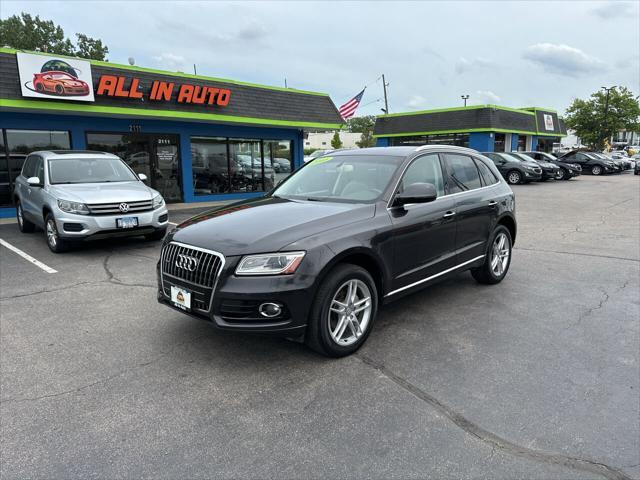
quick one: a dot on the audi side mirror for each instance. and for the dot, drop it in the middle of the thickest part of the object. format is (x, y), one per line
(142, 177)
(34, 182)
(416, 193)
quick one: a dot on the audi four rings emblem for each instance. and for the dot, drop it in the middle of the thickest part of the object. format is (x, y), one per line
(124, 207)
(186, 262)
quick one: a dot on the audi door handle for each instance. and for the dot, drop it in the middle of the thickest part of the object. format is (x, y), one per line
(448, 214)
(493, 203)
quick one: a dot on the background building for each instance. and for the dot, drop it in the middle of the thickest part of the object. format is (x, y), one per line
(485, 128)
(322, 140)
(196, 138)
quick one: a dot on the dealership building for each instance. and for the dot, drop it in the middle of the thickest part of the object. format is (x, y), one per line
(196, 138)
(486, 128)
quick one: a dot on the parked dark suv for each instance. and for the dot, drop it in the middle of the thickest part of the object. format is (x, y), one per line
(514, 169)
(590, 163)
(318, 255)
(567, 170)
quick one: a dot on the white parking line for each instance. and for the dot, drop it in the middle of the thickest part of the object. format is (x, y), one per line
(28, 257)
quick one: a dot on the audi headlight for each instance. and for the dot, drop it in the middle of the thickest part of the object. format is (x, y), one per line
(158, 201)
(284, 263)
(73, 207)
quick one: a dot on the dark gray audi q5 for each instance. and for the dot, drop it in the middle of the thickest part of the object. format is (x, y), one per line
(316, 257)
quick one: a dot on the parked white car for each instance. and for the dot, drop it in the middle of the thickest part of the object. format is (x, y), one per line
(76, 196)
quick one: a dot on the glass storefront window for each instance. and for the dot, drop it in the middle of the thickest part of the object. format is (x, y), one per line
(246, 165)
(522, 143)
(155, 155)
(238, 165)
(5, 184)
(15, 145)
(210, 165)
(278, 163)
(498, 143)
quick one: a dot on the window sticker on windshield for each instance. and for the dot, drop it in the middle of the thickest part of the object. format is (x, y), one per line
(320, 160)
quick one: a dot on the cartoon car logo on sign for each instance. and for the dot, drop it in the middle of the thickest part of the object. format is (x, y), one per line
(57, 77)
(59, 83)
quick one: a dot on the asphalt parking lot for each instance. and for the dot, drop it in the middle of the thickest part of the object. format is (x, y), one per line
(537, 377)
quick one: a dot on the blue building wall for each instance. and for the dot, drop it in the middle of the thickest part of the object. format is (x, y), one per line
(534, 143)
(481, 141)
(514, 142)
(78, 125)
(382, 142)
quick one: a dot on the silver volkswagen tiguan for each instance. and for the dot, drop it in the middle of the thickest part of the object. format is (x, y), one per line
(82, 195)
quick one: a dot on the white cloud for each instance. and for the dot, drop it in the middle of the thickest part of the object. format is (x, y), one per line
(171, 61)
(464, 65)
(487, 96)
(611, 10)
(563, 59)
(417, 101)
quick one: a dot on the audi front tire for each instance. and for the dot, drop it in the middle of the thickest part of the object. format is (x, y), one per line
(343, 311)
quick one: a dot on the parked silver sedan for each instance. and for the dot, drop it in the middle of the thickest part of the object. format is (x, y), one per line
(80, 195)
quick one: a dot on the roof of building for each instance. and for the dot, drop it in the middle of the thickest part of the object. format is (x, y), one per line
(474, 118)
(250, 104)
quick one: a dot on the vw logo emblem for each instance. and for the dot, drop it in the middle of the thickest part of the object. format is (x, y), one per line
(124, 207)
(186, 262)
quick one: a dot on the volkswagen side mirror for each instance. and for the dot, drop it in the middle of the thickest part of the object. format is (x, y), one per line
(142, 177)
(416, 193)
(34, 182)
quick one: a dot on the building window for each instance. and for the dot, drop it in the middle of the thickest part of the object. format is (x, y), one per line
(246, 165)
(15, 145)
(499, 142)
(307, 143)
(238, 165)
(522, 143)
(459, 139)
(324, 143)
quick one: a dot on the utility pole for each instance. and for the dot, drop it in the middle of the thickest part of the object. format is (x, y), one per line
(606, 109)
(386, 102)
(465, 98)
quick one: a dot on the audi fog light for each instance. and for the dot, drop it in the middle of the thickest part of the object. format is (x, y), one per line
(270, 309)
(284, 263)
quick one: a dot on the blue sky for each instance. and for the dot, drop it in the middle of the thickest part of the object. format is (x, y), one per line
(509, 53)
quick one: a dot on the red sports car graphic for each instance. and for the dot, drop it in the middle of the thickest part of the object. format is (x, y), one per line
(59, 83)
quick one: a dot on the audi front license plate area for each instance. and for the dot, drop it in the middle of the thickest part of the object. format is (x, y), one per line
(181, 298)
(127, 222)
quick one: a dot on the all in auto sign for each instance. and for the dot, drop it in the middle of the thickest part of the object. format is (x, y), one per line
(44, 76)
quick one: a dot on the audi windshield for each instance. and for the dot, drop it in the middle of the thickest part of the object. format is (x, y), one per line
(343, 178)
(89, 170)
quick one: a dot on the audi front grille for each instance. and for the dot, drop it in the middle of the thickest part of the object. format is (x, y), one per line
(194, 268)
(114, 208)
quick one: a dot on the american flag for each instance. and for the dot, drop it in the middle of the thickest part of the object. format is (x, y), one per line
(348, 109)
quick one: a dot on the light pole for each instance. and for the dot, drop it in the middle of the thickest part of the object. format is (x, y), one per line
(465, 98)
(606, 110)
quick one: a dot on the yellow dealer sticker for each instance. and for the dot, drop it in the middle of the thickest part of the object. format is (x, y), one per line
(320, 160)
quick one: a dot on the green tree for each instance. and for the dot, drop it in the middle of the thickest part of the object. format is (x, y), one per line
(363, 125)
(91, 48)
(335, 141)
(25, 32)
(596, 119)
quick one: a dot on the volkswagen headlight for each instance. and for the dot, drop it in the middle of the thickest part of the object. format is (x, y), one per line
(73, 207)
(158, 201)
(282, 263)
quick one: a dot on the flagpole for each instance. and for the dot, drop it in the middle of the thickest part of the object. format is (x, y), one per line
(386, 102)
